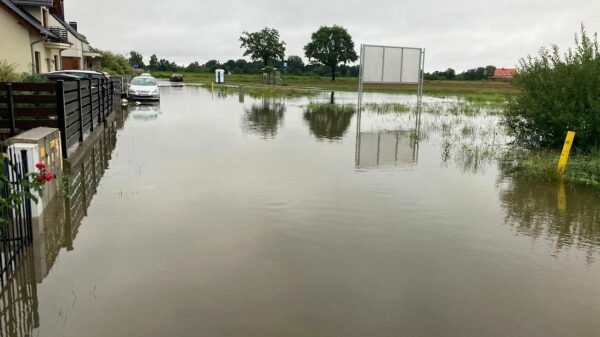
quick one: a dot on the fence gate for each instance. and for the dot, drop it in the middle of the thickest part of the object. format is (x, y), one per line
(15, 223)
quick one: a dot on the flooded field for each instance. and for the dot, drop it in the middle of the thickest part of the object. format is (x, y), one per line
(219, 214)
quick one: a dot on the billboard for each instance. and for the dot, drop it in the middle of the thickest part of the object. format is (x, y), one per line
(383, 64)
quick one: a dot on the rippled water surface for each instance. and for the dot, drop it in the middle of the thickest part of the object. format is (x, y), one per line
(215, 214)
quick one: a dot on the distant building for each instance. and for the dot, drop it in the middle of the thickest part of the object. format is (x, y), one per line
(504, 74)
(35, 37)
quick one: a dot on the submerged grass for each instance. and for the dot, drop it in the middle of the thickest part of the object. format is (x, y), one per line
(265, 91)
(582, 168)
(332, 108)
(387, 107)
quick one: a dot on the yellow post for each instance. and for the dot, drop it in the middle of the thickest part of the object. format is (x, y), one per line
(212, 86)
(564, 157)
(562, 198)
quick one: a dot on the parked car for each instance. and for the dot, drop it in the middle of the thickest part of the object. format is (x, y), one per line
(176, 78)
(143, 88)
(74, 75)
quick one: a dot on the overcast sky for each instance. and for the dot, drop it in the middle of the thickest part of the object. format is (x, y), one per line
(460, 34)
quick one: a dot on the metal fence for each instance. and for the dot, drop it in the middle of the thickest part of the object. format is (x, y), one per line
(15, 224)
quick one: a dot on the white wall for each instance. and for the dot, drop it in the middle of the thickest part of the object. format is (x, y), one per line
(14, 42)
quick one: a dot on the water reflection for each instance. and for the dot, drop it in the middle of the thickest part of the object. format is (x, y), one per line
(146, 111)
(265, 118)
(567, 216)
(384, 149)
(329, 121)
(56, 230)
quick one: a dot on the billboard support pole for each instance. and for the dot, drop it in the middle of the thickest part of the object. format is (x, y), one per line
(360, 97)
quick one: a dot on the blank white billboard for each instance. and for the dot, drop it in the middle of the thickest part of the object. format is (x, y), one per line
(381, 64)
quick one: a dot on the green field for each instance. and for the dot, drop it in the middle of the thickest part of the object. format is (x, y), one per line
(473, 90)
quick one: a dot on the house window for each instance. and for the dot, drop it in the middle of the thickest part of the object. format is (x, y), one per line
(45, 17)
(38, 62)
(56, 63)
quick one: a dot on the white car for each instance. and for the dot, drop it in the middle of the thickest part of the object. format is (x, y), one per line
(143, 88)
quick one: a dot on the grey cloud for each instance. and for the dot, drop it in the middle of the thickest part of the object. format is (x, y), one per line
(457, 34)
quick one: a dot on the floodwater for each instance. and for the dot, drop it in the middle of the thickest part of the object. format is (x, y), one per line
(224, 215)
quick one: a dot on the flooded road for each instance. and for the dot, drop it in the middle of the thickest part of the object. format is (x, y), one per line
(223, 215)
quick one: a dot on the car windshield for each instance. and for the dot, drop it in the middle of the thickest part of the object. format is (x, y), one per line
(146, 81)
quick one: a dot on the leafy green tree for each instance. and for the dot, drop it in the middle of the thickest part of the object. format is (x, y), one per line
(558, 93)
(153, 62)
(195, 67)
(263, 45)
(136, 58)
(212, 65)
(295, 65)
(331, 46)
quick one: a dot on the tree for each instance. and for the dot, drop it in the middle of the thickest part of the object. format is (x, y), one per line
(136, 59)
(153, 62)
(331, 46)
(195, 67)
(263, 45)
(212, 65)
(295, 65)
(558, 93)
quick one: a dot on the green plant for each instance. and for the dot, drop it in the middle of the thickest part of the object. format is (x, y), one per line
(558, 94)
(8, 72)
(263, 45)
(116, 64)
(331, 46)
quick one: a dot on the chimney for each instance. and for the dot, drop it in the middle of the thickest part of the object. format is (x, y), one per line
(58, 8)
(73, 25)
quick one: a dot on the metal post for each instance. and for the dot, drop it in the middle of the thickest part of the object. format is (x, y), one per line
(91, 96)
(28, 230)
(11, 108)
(99, 101)
(80, 108)
(60, 111)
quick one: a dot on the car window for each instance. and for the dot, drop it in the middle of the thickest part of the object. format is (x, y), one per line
(145, 81)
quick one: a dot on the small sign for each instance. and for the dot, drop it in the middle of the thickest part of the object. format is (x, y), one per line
(285, 64)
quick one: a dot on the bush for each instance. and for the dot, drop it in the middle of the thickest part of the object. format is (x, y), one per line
(8, 72)
(558, 94)
(115, 64)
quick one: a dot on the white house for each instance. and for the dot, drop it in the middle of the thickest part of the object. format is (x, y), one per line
(35, 38)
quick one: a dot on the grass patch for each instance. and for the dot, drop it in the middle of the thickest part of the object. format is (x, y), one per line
(331, 108)
(582, 168)
(476, 91)
(387, 107)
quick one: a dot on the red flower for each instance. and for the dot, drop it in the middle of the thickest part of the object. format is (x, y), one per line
(40, 178)
(49, 176)
(40, 166)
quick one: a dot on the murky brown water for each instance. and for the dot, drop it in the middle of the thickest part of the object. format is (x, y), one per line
(205, 216)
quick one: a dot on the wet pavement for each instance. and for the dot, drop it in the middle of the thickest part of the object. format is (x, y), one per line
(212, 214)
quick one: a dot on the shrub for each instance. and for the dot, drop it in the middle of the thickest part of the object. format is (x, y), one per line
(115, 64)
(558, 94)
(8, 72)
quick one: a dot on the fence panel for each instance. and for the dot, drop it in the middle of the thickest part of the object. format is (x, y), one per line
(15, 227)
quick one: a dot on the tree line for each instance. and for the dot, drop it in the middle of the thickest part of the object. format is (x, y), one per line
(329, 51)
(477, 74)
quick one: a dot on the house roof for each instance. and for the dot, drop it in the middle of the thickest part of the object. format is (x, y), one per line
(505, 72)
(26, 18)
(70, 29)
(48, 3)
